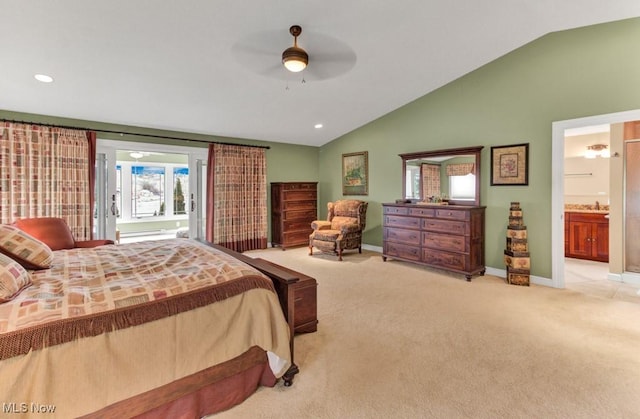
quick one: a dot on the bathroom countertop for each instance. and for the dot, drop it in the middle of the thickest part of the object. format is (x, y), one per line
(587, 208)
(588, 211)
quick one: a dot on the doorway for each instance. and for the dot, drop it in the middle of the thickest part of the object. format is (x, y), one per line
(558, 169)
(586, 205)
(149, 192)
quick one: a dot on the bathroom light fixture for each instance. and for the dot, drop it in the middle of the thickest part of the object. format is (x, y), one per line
(294, 58)
(136, 155)
(597, 150)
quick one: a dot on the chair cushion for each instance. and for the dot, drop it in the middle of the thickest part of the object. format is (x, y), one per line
(54, 232)
(326, 235)
(337, 222)
(30, 252)
(13, 278)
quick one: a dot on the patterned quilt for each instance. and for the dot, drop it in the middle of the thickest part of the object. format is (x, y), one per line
(92, 291)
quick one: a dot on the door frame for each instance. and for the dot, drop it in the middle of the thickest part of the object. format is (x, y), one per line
(197, 158)
(557, 182)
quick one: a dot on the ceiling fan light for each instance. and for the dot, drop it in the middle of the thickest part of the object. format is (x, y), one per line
(295, 59)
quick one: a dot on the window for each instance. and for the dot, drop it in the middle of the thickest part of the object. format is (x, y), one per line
(413, 182)
(462, 188)
(156, 191)
(147, 191)
(180, 189)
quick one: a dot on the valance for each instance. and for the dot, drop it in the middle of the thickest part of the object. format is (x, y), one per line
(461, 169)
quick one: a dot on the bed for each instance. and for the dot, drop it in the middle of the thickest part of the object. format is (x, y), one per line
(170, 328)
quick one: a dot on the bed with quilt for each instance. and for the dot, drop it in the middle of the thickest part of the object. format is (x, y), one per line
(167, 328)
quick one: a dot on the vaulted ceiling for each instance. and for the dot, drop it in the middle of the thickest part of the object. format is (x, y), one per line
(214, 67)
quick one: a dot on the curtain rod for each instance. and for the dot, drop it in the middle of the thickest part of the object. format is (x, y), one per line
(166, 137)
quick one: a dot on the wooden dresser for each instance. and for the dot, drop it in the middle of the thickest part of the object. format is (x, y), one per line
(294, 206)
(449, 237)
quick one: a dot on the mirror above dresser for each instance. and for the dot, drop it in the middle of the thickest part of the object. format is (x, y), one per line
(451, 176)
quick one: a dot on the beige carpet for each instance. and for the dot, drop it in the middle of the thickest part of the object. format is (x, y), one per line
(397, 340)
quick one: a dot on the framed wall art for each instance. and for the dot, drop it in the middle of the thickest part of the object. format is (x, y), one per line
(510, 165)
(355, 173)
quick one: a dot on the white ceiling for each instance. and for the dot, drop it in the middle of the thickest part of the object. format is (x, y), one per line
(213, 67)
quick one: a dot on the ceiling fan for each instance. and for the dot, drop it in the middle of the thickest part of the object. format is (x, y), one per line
(262, 53)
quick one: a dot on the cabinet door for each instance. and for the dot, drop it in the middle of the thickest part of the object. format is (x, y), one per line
(580, 239)
(600, 242)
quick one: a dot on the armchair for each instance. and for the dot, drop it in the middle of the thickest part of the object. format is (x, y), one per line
(55, 233)
(346, 219)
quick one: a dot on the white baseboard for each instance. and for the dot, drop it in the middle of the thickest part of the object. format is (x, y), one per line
(372, 248)
(533, 279)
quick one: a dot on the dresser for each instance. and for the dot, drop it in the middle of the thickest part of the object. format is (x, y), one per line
(294, 206)
(449, 237)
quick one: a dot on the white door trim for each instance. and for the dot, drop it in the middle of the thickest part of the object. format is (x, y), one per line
(557, 182)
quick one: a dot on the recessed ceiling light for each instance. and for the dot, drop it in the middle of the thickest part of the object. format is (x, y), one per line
(43, 78)
(317, 126)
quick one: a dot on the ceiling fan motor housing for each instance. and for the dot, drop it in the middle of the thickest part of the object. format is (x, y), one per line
(295, 58)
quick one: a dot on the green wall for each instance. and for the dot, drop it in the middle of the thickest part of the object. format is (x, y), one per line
(514, 99)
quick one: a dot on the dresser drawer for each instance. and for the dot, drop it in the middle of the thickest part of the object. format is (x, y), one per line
(298, 186)
(293, 205)
(444, 259)
(453, 227)
(296, 225)
(402, 251)
(299, 195)
(444, 241)
(300, 215)
(450, 214)
(396, 210)
(399, 221)
(296, 237)
(400, 235)
(422, 212)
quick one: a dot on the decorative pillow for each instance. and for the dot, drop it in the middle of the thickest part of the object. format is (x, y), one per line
(31, 253)
(13, 278)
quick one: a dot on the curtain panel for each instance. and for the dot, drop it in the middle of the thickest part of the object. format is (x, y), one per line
(237, 197)
(430, 174)
(47, 172)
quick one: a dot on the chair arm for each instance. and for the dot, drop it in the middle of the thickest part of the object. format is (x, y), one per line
(92, 243)
(321, 225)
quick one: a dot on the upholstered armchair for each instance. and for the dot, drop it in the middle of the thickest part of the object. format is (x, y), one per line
(55, 233)
(346, 220)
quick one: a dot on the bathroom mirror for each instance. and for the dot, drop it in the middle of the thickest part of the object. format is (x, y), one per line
(451, 175)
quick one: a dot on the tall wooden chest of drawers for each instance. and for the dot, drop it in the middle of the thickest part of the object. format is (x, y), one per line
(449, 237)
(294, 206)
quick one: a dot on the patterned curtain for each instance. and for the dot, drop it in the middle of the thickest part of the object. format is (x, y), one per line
(460, 169)
(47, 172)
(430, 180)
(237, 197)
